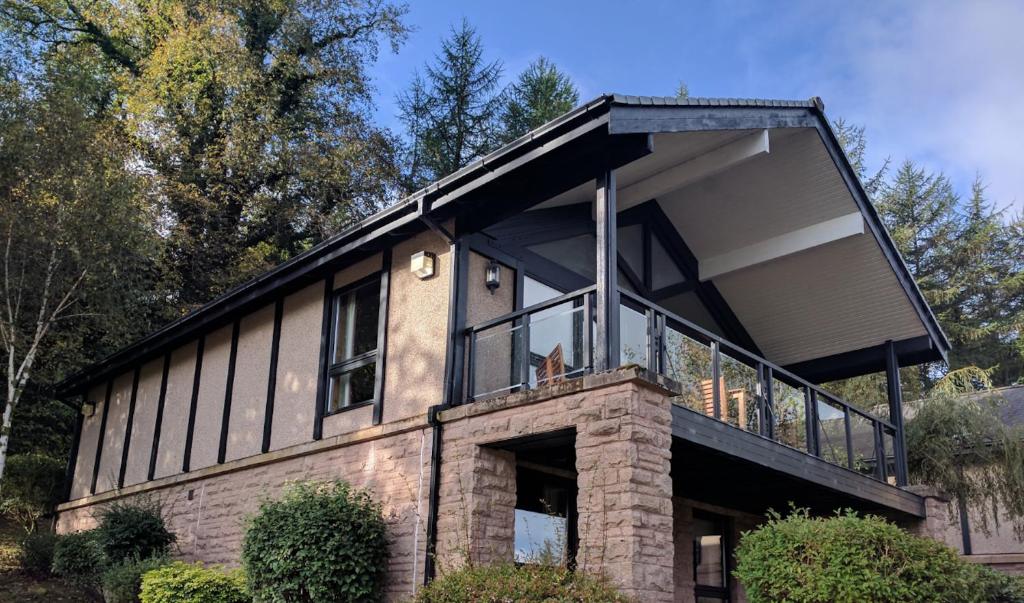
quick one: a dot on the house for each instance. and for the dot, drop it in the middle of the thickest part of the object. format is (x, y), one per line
(993, 543)
(601, 341)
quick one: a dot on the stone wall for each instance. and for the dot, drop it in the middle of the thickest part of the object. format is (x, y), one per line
(623, 438)
(207, 510)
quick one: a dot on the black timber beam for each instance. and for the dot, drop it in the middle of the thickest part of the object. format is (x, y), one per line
(774, 460)
(873, 359)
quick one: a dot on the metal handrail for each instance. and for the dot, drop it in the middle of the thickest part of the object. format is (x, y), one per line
(752, 356)
(544, 305)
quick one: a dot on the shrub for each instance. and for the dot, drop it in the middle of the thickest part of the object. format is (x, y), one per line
(122, 581)
(36, 553)
(190, 583)
(32, 486)
(78, 559)
(133, 530)
(527, 583)
(847, 558)
(319, 542)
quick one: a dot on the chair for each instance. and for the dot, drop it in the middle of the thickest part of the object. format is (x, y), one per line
(737, 396)
(552, 368)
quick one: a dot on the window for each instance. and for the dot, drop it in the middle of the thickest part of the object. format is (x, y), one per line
(710, 558)
(353, 354)
(545, 518)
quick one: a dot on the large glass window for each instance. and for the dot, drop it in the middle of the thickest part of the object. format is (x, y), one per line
(710, 558)
(545, 518)
(353, 353)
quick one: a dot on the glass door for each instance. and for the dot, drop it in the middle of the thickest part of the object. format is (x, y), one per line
(711, 556)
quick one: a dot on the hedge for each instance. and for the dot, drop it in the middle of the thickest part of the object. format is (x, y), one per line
(849, 559)
(527, 584)
(320, 542)
(192, 583)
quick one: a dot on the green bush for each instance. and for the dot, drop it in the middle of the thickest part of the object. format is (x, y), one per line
(320, 542)
(527, 583)
(31, 488)
(36, 553)
(847, 558)
(133, 530)
(78, 559)
(122, 581)
(192, 583)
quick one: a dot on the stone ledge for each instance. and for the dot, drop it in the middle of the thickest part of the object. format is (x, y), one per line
(627, 374)
(995, 558)
(306, 448)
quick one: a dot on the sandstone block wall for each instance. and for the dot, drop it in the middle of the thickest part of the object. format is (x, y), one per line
(208, 513)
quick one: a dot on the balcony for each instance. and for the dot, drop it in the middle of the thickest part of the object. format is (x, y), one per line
(550, 342)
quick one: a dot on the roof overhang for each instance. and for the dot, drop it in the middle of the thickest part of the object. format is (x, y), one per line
(611, 131)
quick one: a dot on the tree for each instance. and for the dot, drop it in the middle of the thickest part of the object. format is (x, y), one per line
(253, 119)
(74, 251)
(961, 445)
(451, 114)
(540, 93)
(682, 90)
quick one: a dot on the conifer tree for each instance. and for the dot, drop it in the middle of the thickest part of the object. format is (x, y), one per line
(540, 94)
(451, 113)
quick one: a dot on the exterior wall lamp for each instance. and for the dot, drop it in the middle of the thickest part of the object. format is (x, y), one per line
(492, 276)
(422, 264)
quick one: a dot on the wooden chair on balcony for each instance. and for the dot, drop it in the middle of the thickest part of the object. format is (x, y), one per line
(737, 396)
(552, 368)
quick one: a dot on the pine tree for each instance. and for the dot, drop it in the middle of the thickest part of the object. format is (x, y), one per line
(540, 94)
(451, 114)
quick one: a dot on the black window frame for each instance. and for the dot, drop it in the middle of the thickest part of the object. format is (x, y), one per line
(349, 365)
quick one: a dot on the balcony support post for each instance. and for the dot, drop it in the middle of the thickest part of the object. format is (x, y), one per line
(606, 346)
(895, 391)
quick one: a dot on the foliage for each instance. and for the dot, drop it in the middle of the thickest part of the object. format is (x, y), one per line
(133, 530)
(540, 94)
(187, 583)
(76, 251)
(78, 559)
(36, 553)
(250, 120)
(451, 115)
(961, 445)
(847, 558)
(31, 487)
(319, 542)
(527, 583)
(122, 581)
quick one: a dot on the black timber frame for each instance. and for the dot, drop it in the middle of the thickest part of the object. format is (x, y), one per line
(275, 347)
(193, 405)
(99, 440)
(161, 400)
(229, 389)
(129, 423)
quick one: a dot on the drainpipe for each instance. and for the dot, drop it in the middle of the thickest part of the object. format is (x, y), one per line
(429, 564)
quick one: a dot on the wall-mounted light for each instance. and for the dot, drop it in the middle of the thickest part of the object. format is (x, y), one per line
(88, 408)
(492, 276)
(422, 264)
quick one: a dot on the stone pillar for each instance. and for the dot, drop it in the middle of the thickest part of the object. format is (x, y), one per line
(935, 524)
(625, 490)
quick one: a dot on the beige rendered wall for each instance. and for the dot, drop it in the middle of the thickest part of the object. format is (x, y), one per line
(144, 422)
(417, 330)
(492, 372)
(210, 405)
(113, 436)
(297, 367)
(87, 441)
(177, 400)
(249, 393)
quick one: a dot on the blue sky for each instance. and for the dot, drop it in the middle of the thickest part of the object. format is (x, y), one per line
(940, 82)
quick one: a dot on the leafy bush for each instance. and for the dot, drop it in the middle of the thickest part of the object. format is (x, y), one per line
(527, 583)
(320, 542)
(190, 583)
(78, 559)
(122, 581)
(133, 530)
(32, 486)
(36, 553)
(847, 558)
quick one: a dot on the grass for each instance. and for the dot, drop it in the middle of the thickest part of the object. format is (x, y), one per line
(15, 585)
